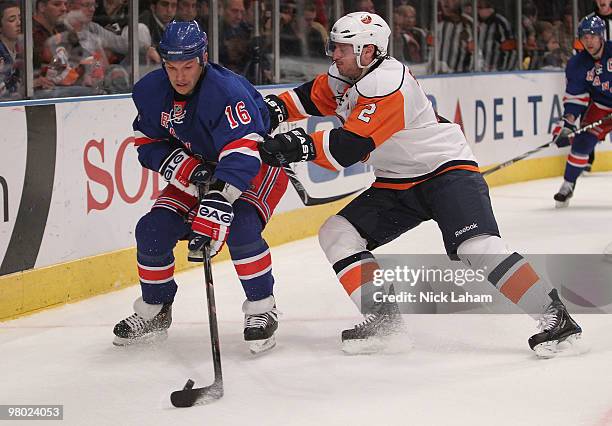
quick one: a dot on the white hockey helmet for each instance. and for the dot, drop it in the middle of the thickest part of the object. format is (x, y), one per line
(360, 29)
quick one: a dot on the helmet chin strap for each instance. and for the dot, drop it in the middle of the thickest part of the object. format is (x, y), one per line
(599, 53)
(366, 68)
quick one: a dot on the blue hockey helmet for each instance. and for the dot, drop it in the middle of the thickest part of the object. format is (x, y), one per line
(182, 41)
(592, 25)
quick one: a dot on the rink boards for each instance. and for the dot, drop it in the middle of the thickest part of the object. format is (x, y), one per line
(72, 189)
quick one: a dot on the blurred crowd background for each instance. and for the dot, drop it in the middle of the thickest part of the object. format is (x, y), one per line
(60, 48)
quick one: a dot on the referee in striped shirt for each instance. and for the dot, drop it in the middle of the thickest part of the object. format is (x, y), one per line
(454, 38)
(495, 39)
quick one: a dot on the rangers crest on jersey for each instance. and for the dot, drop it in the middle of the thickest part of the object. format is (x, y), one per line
(176, 115)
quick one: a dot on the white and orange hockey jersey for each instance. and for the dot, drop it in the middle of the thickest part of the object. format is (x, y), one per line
(388, 123)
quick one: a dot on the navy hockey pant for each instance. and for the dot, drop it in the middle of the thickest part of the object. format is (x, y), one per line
(159, 230)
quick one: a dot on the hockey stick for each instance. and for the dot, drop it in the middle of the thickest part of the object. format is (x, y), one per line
(188, 396)
(546, 145)
(303, 194)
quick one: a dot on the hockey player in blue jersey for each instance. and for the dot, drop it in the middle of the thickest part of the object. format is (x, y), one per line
(588, 97)
(199, 123)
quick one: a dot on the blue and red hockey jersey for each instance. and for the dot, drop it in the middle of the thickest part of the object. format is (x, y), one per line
(588, 81)
(221, 122)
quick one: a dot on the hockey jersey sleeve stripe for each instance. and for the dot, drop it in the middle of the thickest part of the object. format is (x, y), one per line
(246, 146)
(377, 118)
(294, 106)
(322, 96)
(142, 139)
(578, 99)
(339, 148)
(324, 157)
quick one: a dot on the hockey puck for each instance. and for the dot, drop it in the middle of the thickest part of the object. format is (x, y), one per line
(189, 384)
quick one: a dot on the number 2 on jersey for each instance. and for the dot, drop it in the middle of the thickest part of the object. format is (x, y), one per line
(241, 112)
(368, 110)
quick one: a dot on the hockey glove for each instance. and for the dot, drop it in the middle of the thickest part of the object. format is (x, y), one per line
(185, 172)
(211, 224)
(284, 148)
(277, 110)
(561, 133)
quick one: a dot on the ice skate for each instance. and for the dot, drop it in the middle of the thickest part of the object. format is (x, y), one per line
(259, 327)
(558, 330)
(148, 324)
(565, 193)
(372, 335)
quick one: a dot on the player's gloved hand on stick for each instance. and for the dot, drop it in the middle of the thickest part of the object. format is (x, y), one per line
(284, 148)
(211, 224)
(277, 109)
(561, 133)
(185, 172)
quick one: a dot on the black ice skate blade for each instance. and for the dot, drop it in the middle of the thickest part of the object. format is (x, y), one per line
(188, 397)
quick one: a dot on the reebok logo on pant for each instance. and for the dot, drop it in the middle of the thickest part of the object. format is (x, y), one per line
(465, 229)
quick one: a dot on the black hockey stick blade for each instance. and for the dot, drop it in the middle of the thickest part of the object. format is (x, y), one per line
(188, 396)
(305, 197)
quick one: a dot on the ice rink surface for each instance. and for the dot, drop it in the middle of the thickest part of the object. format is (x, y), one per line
(452, 370)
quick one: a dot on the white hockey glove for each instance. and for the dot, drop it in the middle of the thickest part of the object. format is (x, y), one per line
(185, 172)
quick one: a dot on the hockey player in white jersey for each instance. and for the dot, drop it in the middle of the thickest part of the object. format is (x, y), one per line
(424, 170)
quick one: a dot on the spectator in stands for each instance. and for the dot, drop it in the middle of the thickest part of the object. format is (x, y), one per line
(550, 10)
(290, 42)
(187, 10)
(467, 8)
(112, 15)
(234, 37)
(530, 17)
(495, 39)
(564, 30)
(410, 41)
(10, 30)
(80, 59)
(78, 55)
(80, 15)
(555, 57)
(203, 13)
(160, 13)
(530, 47)
(46, 22)
(454, 39)
(322, 13)
(316, 34)
(544, 32)
(363, 6)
